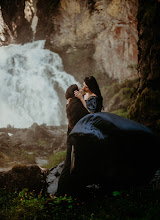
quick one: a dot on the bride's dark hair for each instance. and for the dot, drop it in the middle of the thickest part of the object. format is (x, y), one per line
(93, 86)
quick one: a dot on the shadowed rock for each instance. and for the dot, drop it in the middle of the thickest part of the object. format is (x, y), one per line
(53, 178)
(21, 176)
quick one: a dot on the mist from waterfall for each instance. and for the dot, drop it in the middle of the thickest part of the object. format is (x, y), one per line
(32, 86)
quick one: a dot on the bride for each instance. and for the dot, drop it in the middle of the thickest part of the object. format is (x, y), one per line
(93, 100)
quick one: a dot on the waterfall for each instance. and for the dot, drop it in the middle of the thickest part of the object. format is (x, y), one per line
(30, 12)
(34, 19)
(32, 86)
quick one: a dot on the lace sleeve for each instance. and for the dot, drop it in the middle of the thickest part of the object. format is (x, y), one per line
(92, 104)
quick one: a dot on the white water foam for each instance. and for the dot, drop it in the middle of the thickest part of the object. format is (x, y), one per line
(32, 86)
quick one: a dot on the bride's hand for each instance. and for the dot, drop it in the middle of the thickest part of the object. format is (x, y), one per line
(78, 94)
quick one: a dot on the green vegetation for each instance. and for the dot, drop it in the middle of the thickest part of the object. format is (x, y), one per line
(121, 112)
(50, 5)
(42, 143)
(55, 159)
(117, 96)
(3, 158)
(14, 154)
(147, 12)
(145, 106)
(28, 158)
(133, 204)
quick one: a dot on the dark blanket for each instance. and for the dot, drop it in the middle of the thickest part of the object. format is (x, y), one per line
(112, 151)
(102, 124)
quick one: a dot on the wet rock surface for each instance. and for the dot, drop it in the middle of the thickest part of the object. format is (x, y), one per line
(53, 177)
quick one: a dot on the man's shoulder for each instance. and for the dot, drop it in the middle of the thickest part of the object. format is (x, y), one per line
(76, 105)
(75, 101)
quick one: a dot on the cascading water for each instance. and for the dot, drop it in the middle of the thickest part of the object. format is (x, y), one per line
(34, 20)
(32, 86)
(30, 12)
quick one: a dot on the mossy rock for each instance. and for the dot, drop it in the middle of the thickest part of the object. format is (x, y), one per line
(56, 159)
(3, 158)
(121, 112)
(146, 108)
(118, 95)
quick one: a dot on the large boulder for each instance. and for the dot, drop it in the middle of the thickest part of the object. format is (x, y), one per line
(22, 176)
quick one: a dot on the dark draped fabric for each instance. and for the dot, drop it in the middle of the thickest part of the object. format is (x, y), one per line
(101, 124)
(112, 151)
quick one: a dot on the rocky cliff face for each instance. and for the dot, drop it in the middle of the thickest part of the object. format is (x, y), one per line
(92, 36)
(14, 27)
(146, 105)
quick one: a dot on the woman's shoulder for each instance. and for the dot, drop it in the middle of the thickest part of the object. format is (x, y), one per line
(93, 104)
(92, 97)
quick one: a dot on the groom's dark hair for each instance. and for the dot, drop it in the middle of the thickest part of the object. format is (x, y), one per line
(70, 91)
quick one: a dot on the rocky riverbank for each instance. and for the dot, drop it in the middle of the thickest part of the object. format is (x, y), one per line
(32, 145)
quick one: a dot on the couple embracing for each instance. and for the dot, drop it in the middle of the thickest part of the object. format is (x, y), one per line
(82, 101)
(102, 147)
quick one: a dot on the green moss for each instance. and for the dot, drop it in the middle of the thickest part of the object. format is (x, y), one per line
(146, 108)
(42, 142)
(52, 4)
(3, 158)
(55, 159)
(151, 99)
(118, 95)
(132, 66)
(147, 11)
(121, 112)
(112, 90)
(149, 15)
(26, 158)
(148, 30)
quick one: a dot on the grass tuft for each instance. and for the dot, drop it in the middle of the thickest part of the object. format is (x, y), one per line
(55, 159)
